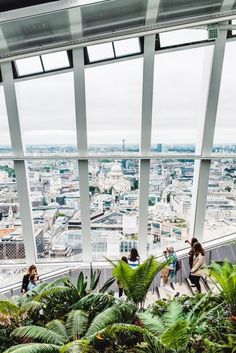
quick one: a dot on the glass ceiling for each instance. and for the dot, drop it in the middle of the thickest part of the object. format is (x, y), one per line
(30, 28)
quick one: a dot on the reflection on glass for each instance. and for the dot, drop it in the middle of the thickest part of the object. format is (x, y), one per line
(12, 248)
(5, 143)
(179, 98)
(179, 9)
(182, 36)
(55, 61)
(55, 200)
(100, 52)
(127, 47)
(113, 103)
(225, 130)
(47, 114)
(220, 217)
(170, 201)
(29, 66)
(113, 189)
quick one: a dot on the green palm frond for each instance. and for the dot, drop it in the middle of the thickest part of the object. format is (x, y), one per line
(58, 327)
(137, 282)
(76, 324)
(119, 332)
(173, 314)
(95, 301)
(225, 276)
(38, 289)
(82, 285)
(37, 333)
(8, 308)
(62, 281)
(116, 314)
(152, 323)
(80, 346)
(176, 336)
(48, 292)
(150, 345)
(34, 348)
(94, 277)
(31, 306)
(107, 285)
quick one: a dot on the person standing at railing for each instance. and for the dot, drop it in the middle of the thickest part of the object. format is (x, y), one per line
(191, 253)
(134, 259)
(196, 271)
(120, 287)
(169, 272)
(32, 281)
(25, 281)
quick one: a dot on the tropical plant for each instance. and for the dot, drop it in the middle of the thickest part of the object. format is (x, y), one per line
(137, 282)
(118, 313)
(151, 344)
(118, 335)
(66, 336)
(85, 287)
(53, 337)
(175, 327)
(95, 303)
(225, 279)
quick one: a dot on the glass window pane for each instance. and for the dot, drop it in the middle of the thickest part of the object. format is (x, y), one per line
(127, 47)
(220, 217)
(55, 200)
(29, 66)
(170, 202)
(5, 142)
(179, 98)
(12, 249)
(113, 103)
(225, 130)
(47, 114)
(182, 36)
(113, 188)
(55, 61)
(100, 52)
(179, 9)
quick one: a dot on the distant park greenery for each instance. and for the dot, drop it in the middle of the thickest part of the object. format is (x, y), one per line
(60, 317)
(9, 170)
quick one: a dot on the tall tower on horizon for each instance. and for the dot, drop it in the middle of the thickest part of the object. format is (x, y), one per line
(123, 144)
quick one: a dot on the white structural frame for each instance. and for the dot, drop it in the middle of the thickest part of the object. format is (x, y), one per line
(205, 143)
(202, 157)
(19, 165)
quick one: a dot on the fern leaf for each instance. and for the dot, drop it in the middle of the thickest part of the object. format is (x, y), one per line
(37, 333)
(76, 324)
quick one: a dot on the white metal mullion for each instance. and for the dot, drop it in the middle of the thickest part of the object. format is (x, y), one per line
(85, 211)
(25, 210)
(19, 165)
(146, 128)
(12, 110)
(202, 167)
(81, 129)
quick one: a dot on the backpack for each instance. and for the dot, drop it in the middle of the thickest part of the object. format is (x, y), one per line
(177, 265)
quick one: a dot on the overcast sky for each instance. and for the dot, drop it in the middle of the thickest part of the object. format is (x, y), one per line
(114, 98)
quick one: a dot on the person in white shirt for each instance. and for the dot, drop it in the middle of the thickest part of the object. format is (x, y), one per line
(134, 259)
(32, 281)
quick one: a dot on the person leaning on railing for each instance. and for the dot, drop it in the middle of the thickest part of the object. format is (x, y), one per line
(26, 278)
